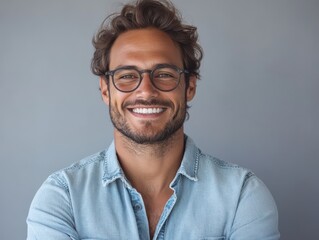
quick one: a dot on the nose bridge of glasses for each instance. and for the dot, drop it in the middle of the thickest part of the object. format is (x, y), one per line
(149, 81)
(146, 71)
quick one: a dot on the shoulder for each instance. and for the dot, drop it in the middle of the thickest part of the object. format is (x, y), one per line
(211, 166)
(66, 184)
(251, 199)
(240, 182)
(229, 179)
(51, 212)
(76, 173)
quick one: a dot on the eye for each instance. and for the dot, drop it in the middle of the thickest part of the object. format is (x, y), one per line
(164, 75)
(126, 75)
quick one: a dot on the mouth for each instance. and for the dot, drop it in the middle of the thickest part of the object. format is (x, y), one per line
(148, 110)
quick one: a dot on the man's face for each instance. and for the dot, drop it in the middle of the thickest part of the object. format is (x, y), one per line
(147, 115)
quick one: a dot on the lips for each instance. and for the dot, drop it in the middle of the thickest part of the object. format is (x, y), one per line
(147, 110)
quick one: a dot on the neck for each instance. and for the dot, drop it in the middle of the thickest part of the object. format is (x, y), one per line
(150, 167)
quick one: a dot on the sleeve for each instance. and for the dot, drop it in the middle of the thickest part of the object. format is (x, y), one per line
(256, 216)
(50, 215)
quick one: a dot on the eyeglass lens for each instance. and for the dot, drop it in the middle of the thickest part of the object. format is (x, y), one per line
(165, 78)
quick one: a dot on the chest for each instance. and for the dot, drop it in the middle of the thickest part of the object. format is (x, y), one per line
(121, 213)
(154, 208)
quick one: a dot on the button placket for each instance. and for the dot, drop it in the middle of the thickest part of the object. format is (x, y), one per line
(140, 214)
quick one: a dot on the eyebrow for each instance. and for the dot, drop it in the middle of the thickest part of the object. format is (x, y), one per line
(153, 67)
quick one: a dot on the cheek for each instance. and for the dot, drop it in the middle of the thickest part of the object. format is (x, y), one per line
(180, 98)
(117, 99)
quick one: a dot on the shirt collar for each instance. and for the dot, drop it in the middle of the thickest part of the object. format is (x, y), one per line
(112, 168)
(189, 165)
(188, 168)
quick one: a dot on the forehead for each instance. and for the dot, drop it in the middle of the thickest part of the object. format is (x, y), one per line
(144, 48)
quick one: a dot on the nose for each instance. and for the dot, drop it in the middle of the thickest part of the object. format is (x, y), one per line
(146, 89)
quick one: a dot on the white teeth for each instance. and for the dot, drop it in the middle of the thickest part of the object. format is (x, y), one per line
(147, 110)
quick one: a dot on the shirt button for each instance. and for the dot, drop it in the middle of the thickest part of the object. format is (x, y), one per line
(137, 207)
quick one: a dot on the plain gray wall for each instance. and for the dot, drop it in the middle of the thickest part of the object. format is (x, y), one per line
(256, 104)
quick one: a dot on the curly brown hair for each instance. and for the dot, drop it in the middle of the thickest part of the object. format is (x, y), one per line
(143, 14)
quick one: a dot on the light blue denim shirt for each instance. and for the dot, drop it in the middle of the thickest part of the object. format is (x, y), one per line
(212, 199)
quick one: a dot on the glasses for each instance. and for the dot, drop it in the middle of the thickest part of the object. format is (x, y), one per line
(164, 77)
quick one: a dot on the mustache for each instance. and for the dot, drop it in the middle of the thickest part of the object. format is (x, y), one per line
(151, 102)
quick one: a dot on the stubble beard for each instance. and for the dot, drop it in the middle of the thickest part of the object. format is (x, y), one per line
(148, 135)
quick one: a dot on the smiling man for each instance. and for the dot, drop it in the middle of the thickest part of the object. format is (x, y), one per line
(152, 182)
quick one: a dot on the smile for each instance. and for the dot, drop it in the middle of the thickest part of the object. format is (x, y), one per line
(147, 110)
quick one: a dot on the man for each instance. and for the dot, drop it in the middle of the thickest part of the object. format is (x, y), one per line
(152, 182)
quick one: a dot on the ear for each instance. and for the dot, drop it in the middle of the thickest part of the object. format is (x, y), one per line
(191, 90)
(104, 88)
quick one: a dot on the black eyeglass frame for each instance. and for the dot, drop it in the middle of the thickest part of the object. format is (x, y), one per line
(150, 72)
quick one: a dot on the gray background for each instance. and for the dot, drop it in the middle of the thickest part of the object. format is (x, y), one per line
(256, 105)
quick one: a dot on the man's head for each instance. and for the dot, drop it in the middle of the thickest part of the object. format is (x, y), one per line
(147, 44)
(143, 14)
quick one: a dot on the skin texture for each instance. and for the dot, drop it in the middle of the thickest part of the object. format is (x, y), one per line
(149, 146)
(137, 48)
